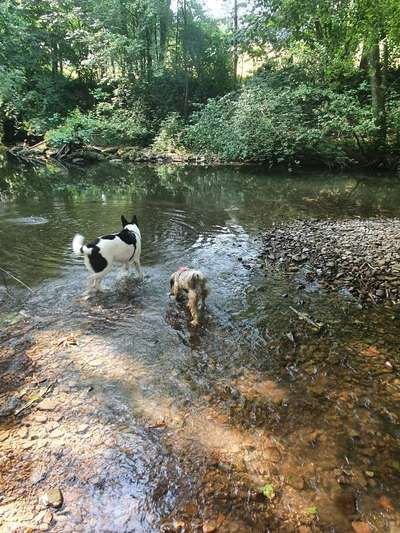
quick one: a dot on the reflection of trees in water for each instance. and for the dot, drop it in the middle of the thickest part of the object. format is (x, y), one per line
(285, 197)
(19, 180)
(276, 196)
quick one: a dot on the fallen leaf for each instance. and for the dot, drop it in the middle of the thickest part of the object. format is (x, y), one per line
(371, 351)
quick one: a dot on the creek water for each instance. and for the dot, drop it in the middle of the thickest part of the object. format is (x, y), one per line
(254, 396)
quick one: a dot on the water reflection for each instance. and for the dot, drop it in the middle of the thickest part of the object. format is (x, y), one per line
(177, 206)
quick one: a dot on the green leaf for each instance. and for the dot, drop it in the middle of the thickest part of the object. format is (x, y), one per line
(268, 491)
(312, 510)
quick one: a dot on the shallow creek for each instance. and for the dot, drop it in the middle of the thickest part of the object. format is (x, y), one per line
(147, 424)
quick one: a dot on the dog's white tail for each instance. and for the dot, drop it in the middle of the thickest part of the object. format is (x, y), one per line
(78, 246)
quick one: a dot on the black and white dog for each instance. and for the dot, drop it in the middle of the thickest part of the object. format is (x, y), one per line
(100, 255)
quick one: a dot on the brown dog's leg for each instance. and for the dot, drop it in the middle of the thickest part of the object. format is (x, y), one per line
(175, 289)
(192, 305)
(204, 294)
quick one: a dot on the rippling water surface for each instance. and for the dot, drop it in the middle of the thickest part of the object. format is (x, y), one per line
(254, 396)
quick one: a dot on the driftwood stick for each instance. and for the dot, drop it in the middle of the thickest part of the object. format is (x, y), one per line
(36, 145)
(305, 317)
(16, 279)
(34, 400)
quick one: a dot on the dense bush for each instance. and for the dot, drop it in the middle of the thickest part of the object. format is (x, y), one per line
(105, 126)
(169, 137)
(282, 125)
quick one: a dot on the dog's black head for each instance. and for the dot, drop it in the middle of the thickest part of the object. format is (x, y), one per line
(126, 223)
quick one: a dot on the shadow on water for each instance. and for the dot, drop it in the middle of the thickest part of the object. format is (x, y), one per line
(187, 425)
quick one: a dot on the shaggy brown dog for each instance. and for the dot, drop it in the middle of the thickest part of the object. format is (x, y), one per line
(195, 284)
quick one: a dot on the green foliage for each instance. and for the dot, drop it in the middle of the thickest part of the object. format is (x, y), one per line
(105, 127)
(57, 56)
(76, 130)
(268, 491)
(282, 125)
(312, 510)
(169, 137)
(125, 71)
(339, 43)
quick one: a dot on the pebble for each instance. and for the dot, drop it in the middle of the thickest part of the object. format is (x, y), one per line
(48, 517)
(210, 526)
(386, 503)
(361, 527)
(49, 404)
(274, 455)
(53, 498)
(22, 432)
(57, 433)
(82, 428)
(37, 475)
(41, 418)
(94, 362)
(4, 436)
(369, 473)
(296, 482)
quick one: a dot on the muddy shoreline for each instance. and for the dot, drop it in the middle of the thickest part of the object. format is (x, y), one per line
(361, 258)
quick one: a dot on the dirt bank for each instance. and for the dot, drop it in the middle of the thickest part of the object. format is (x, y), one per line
(361, 257)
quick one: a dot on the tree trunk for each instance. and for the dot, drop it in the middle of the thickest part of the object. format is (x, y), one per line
(149, 58)
(54, 58)
(378, 96)
(235, 47)
(364, 62)
(176, 38)
(185, 60)
(164, 23)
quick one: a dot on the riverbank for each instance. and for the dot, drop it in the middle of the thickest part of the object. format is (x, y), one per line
(41, 153)
(358, 257)
(87, 155)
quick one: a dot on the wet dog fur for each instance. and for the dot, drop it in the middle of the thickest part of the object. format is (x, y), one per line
(194, 283)
(123, 247)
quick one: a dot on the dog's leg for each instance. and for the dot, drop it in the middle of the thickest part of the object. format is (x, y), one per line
(138, 269)
(97, 282)
(192, 305)
(125, 270)
(90, 286)
(204, 294)
(175, 290)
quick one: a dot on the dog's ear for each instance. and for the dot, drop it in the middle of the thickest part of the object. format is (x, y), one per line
(134, 220)
(124, 221)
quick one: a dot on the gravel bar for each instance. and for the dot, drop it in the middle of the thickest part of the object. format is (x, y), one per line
(360, 256)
